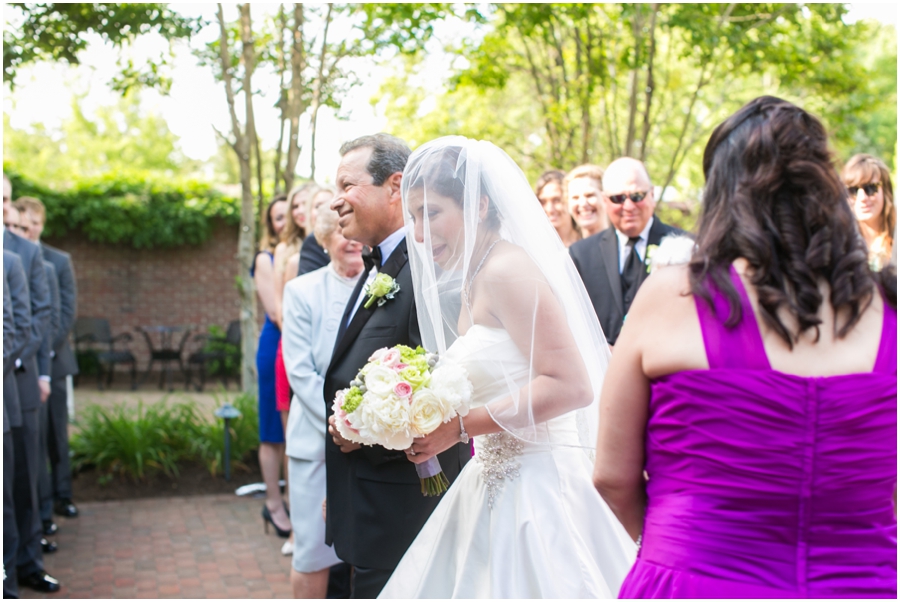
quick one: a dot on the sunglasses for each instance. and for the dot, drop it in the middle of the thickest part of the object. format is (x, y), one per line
(618, 199)
(869, 189)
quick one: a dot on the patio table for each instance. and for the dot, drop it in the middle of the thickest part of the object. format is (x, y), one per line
(166, 353)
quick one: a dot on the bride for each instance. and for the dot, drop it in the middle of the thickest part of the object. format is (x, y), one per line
(496, 292)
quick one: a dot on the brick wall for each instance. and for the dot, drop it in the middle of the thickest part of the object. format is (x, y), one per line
(173, 287)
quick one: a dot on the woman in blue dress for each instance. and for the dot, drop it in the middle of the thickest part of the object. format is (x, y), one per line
(271, 432)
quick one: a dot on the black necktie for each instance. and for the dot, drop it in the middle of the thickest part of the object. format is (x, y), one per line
(631, 273)
(372, 258)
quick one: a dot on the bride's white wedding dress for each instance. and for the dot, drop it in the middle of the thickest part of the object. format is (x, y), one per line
(523, 519)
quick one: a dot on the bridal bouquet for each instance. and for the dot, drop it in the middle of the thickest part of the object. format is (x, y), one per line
(400, 394)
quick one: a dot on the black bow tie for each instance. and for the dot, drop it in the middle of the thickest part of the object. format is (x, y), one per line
(372, 258)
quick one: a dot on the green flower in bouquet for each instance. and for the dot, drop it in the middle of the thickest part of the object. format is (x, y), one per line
(352, 400)
(415, 376)
(381, 289)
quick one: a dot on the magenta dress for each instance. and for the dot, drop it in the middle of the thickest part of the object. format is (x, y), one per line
(764, 484)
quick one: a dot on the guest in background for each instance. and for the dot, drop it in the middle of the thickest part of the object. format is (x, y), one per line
(16, 334)
(26, 439)
(63, 367)
(312, 256)
(549, 191)
(291, 238)
(614, 263)
(271, 431)
(314, 304)
(872, 198)
(13, 221)
(584, 194)
(757, 387)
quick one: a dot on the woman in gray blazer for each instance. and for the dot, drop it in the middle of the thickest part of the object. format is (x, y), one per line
(312, 310)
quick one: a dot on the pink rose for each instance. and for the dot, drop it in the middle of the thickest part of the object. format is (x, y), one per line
(400, 367)
(391, 358)
(402, 389)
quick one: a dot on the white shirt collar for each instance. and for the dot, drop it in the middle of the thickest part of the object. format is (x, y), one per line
(640, 246)
(389, 244)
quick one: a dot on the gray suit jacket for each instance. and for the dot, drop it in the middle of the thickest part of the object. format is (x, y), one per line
(20, 310)
(38, 289)
(64, 362)
(313, 306)
(45, 355)
(9, 342)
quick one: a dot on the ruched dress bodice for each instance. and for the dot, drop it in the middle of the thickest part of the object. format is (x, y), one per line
(765, 484)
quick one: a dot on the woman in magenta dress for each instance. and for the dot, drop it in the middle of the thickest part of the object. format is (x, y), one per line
(748, 433)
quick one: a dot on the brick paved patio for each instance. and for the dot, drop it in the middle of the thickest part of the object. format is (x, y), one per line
(190, 547)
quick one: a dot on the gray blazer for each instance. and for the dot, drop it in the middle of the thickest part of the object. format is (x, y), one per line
(45, 355)
(313, 306)
(20, 309)
(64, 362)
(38, 289)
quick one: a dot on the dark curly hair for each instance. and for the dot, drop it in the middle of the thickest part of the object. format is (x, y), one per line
(773, 197)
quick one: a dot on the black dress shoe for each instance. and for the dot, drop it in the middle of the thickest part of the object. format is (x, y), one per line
(48, 547)
(65, 507)
(50, 527)
(41, 582)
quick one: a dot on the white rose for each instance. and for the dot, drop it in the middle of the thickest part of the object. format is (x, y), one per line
(384, 420)
(378, 354)
(451, 383)
(380, 380)
(428, 411)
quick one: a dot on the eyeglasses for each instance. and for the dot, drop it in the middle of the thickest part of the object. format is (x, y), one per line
(618, 199)
(869, 189)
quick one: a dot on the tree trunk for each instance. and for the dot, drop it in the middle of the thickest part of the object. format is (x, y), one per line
(247, 233)
(648, 88)
(295, 97)
(317, 94)
(282, 99)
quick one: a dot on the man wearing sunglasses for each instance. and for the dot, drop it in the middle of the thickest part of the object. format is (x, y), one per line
(613, 263)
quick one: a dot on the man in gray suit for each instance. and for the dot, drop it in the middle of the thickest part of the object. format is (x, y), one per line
(16, 332)
(26, 439)
(63, 365)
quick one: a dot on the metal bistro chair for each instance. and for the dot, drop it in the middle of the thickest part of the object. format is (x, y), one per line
(166, 353)
(94, 333)
(203, 357)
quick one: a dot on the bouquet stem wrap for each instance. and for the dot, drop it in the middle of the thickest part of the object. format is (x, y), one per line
(431, 476)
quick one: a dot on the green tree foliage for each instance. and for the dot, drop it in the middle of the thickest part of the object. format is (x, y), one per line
(142, 211)
(121, 139)
(58, 31)
(574, 83)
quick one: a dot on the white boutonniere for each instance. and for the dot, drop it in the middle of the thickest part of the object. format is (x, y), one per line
(381, 289)
(651, 250)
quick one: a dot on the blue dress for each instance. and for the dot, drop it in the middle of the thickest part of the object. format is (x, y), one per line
(270, 427)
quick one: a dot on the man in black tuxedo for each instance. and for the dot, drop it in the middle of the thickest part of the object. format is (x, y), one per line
(375, 507)
(58, 495)
(26, 439)
(614, 263)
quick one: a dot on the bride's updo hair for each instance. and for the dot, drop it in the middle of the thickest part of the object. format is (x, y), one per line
(444, 172)
(774, 198)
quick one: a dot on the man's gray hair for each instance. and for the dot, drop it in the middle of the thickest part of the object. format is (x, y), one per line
(389, 155)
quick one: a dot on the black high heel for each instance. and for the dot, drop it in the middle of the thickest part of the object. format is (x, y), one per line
(267, 520)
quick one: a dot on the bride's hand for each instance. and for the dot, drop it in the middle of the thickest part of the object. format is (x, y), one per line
(441, 439)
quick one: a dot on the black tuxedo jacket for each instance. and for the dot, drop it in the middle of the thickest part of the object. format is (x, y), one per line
(375, 504)
(597, 260)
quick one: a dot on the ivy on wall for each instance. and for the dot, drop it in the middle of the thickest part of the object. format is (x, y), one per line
(141, 212)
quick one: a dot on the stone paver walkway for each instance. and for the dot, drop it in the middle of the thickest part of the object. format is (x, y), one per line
(189, 547)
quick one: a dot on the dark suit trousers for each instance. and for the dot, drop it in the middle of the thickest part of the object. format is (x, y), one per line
(45, 487)
(29, 558)
(60, 477)
(10, 532)
(368, 583)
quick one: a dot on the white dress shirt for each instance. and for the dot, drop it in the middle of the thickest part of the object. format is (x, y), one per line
(640, 246)
(387, 247)
(313, 306)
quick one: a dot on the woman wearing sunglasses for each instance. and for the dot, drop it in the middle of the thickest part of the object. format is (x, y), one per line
(872, 199)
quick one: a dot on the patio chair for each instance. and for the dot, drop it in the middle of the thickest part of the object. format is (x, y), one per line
(204, 356)
(94, 333)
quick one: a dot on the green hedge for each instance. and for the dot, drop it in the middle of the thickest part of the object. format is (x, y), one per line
(142, 212)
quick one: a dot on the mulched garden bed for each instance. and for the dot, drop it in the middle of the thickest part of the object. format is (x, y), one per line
(193, 479)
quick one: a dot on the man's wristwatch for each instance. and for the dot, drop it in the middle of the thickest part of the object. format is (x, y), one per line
(463, 435)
